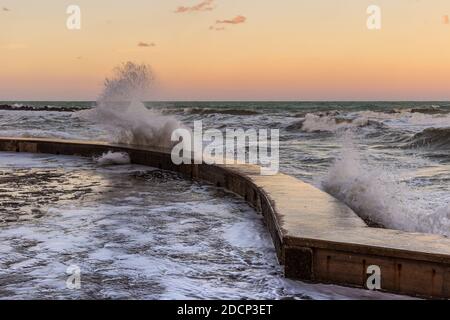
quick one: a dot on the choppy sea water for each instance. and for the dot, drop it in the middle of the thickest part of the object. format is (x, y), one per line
(388, 160)
(134, 232)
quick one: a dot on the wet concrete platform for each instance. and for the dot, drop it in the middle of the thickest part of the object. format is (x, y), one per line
(317, 237)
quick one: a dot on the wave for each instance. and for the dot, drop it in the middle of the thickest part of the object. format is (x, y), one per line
(329, 122)
(405, 120)
(381, 198)
(435, 109)
(436, 138)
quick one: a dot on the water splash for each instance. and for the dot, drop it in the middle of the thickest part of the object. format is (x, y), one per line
(315, 123)
(121, 112)
(380, 195)
(110, 158)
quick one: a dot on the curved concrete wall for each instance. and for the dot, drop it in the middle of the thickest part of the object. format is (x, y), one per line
(316, 237)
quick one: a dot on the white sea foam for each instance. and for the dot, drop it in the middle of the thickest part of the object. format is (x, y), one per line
(238, 234)
(120, 109)
(133, 241)
(332, 122)
(380, 195)
(313, 123)
(407, 119)
(110, 158)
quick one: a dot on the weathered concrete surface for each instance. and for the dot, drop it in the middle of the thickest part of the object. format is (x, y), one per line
(317, 237)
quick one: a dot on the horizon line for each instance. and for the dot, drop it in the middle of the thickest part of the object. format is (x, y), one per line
(243, 100)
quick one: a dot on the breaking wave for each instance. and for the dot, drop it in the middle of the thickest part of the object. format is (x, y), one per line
(379, 195)
(120, 109)
(434, 109)
(330, 123)
(437, 138)
(405, 120)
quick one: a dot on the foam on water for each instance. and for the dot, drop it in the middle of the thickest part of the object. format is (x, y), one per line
(398, 175)
(110, 158)
(313, 123)
(334, 121)
(131, 240)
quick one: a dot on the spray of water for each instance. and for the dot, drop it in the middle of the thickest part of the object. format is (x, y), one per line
(112, 158)
(121, 112)
(379, 195)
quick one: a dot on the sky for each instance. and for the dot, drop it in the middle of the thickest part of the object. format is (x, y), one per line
(229, 49)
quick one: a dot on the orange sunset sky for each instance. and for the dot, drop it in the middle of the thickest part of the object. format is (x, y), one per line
(229, 49)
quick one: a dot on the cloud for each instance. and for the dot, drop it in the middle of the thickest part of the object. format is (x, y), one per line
(235, 20)
(206, 5)
(145, 44)
(5, 9)
(445, 19)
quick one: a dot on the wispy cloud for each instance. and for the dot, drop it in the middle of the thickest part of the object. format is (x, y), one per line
(146, 44)
(5, 9)
(445, 19)
(206, 5)
(219, 25)
(235, 20)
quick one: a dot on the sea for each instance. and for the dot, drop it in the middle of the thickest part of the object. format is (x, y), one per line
(137, 232)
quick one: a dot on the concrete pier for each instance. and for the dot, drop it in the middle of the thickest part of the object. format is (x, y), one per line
(317, 238)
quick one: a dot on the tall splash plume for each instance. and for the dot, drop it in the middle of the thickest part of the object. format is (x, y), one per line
(121, 112)
(379, 195)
